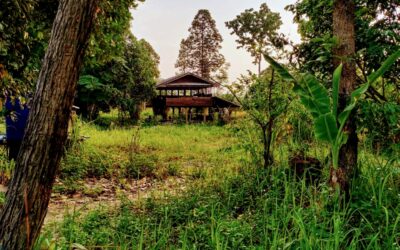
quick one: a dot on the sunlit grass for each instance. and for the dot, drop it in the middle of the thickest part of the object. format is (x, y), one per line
(227, 202)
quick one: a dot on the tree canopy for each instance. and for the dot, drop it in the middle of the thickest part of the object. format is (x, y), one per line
(257, 31)
(200, 52)
(377, 25)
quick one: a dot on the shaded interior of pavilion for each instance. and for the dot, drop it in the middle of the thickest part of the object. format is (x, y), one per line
(191, 98)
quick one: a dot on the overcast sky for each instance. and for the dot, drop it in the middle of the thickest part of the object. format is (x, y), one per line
(164, 23)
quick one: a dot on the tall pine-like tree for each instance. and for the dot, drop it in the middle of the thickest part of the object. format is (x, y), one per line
(184, 54)
(200, 52)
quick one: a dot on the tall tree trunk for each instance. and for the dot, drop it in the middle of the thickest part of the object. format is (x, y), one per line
(344, 30)
(29, 191)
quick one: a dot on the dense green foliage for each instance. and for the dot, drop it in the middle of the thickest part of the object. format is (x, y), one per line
(264, 98)
(377, 36)
(113, 54)
(24, 31)
(380, 124)
(140, 74)
(126, 84)
(124, 65)
(328, 122)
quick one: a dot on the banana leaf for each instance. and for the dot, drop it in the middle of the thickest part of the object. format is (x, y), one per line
(363, 88)
(384, 67)
(284, 73)
(335, 89)
(325, 128)
(314, 96)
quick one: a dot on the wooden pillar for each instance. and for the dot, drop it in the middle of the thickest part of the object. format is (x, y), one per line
(205, 114)
(186, 115)
(166, 113)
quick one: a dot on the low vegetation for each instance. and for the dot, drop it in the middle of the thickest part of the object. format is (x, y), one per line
(216, 196)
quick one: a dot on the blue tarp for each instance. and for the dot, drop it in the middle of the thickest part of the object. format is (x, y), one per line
(16, 119)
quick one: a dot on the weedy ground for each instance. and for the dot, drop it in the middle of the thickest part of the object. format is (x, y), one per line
(207, 191)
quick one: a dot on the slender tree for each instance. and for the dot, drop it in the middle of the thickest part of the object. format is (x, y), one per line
(257, 31)
(200, 51)
(265, 101)
(344, 52)
(29, 191)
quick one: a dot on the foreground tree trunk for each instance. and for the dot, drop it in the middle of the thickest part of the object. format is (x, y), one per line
(30, 188)
(344, 30)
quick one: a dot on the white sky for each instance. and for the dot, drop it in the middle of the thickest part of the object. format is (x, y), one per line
(164, 23)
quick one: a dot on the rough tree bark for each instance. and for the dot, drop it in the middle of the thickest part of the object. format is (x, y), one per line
(344, 30)
(30, 188)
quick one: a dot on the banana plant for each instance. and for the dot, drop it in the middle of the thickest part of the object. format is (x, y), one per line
(328, 122)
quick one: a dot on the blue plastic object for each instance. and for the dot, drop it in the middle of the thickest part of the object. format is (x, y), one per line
(16, 119)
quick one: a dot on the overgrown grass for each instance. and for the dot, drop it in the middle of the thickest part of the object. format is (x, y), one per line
(152, 151)
(253, 210)
(229, 203)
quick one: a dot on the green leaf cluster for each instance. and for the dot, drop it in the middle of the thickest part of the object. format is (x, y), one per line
(328, 122)
(377, 25)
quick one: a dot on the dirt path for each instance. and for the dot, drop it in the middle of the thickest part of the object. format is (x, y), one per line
(107, 193)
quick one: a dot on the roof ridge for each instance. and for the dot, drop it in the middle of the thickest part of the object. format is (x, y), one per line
(174, 78)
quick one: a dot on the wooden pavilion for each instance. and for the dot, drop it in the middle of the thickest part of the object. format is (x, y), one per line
(192, 97)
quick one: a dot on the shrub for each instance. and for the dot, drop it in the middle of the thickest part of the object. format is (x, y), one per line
(173, 169)
(300, 119)
(381, 124)
(105, 122)
(140, 166)
(2, 198)
(73, 167)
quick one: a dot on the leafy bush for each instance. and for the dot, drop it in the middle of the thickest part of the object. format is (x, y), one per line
(329, 121)
(249, 139)
(68, 186)
(300, 119)
(6, 168)
(87, 163)
(141, 165)
(73, 167)
(98, 165)
(380, 123)
(104, 122)
(2, 198)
